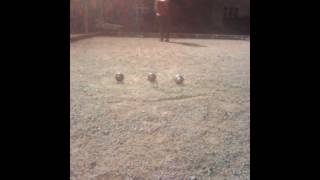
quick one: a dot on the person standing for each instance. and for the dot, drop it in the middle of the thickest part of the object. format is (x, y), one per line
(163, 15)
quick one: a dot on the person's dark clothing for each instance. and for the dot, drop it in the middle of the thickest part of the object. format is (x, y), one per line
(164, 27)
(162, 7)
(163, 15)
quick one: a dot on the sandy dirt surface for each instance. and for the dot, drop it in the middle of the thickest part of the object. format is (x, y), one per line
(139, 130)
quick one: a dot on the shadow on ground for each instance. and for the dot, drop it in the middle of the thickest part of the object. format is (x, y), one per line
(187, 44)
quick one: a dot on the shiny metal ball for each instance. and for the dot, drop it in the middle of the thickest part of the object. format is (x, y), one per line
(179, 79)
(119, 77)
(152, 77)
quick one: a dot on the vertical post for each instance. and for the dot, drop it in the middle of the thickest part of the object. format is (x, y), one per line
(139, 16)
(71, 17)
(136, 15)
(86, 16)
(102, 10)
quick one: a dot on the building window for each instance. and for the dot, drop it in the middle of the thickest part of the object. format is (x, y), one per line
(230, 12)
(225, 13)
(235, 13)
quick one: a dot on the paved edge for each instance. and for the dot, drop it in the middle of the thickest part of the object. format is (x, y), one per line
(74, 38)
(77, 37)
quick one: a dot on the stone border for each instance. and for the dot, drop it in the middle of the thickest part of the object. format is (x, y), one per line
(179, 35)
(78, 37)
(154, 35)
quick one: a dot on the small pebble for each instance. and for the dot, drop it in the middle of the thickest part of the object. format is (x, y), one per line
(92, 165)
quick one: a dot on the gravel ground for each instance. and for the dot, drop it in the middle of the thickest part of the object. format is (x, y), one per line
(139, 130)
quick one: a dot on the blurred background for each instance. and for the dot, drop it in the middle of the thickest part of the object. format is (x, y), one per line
(187, 16)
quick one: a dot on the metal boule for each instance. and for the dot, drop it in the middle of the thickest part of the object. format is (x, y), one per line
(119, 77)
(152, 77)
(179, 79)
